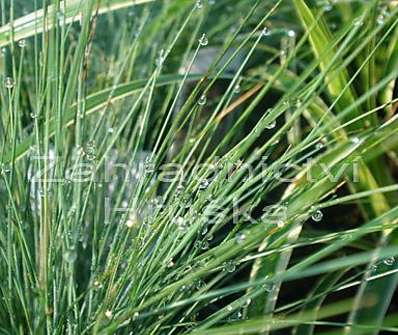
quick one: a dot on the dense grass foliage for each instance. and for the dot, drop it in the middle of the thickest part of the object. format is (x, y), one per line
(198, 167)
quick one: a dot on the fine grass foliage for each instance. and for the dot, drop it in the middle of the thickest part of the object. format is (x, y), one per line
(198, 167)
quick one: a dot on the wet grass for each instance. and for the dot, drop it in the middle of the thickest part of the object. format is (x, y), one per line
(204, 167)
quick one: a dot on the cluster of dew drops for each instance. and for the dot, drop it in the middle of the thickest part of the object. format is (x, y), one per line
(182, 225)
(316, 213)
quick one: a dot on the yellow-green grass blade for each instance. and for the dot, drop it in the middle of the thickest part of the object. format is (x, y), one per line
(391, 55)
(386, 286)
(320, 37)
(337, 77)
(317, 113)
(296, 207)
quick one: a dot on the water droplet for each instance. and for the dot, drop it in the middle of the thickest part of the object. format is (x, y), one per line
(230, 308)
(200, 284)
(229, 266)
(108, 314)
(33, 115)
(212, 2)
(355, 140)
(320, 145)
(316, 215)
(110, 130)
(180, 188)
(298, 103)
(236, 316)
(380, 19)
(271, 125)
(181, 224)
(203, 41)
(70, 255)
(9, 82)
(199, 4)
(328, 6)
(130, 223)
(97, 285)
(241, 238)
(22, 43)
(266, 31)
(202, 100)
(3, 52)
(358, 22)
(136, 315)
(291, 33)
(389, 261)
(204, 184)
(204, 245)
(237, 89)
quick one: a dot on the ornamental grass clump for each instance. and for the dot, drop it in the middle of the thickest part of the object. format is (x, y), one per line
(198, 167)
